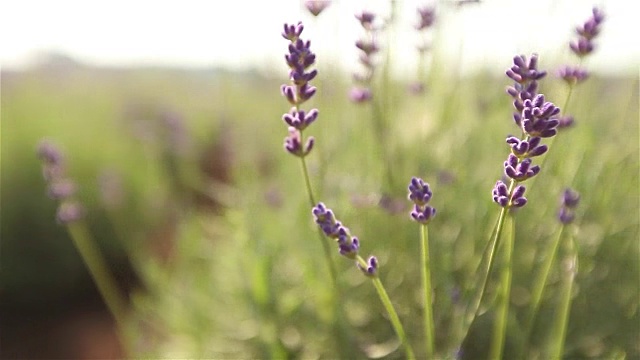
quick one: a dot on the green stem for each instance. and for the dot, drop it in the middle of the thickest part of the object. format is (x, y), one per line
(426, 287)
(98, 270)
(393, 316)
(538, 287)
(569, 268)
(502, 315)
(474, 307)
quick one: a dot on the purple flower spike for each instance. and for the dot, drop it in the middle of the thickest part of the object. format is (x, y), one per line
(315, 7)
(372, 267)
(292, 31)
(591, 28)
(573, 75)
(419, 191)
(348, 245)
(520, 171)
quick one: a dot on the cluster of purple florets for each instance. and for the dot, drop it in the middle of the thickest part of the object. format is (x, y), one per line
(299, 59)
(348, 245)
(59, 186)
(420, 194)
(568, 202)
(537, 119)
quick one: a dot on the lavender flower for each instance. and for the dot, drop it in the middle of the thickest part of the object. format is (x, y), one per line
(360, 95)
(502, 197)
(59, 186)
(420, 194)
(368, 47)
(565, 122)
(526, 148)
(348, 245)
(299, 59)
(427, 17)
(586, 33)
(69, 212)
(293, 143)
(568, 201)
(315, 7)
(538, 117)
(572, 75)
(372, 267)
(525, 74)
(520, 170)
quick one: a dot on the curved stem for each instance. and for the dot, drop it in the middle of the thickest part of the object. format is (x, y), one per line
(100, 273)
(474, 307)
(426, 287)
(393, 316)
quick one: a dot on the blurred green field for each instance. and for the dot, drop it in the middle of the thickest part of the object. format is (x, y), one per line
(221, 237)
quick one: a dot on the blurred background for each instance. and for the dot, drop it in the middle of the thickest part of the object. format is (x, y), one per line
(169, 115)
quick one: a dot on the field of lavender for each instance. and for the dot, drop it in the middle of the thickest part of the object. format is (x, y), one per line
(207, 238)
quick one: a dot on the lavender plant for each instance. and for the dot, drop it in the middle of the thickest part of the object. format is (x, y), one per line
(300, 59)
(71, 213)
(420, 194)
(348, 246)
(427, 17)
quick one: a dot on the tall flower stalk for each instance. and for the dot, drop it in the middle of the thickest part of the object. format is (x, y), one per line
(536, 119)
(71, 214)
(300, 59)
(422, 213)
(349, 246)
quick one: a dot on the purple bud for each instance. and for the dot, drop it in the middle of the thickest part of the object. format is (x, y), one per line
(419, 191)
(372, 267)
(315, 7)
(49, 153)
(581, 47)
(293, 143)
(500, 194)
(572, 75)
(423, 215)
(360, 95)
(292, 31)
(61, 189)
(570, 198)
(366, 19)
(427, 17)
(565, 122)
(69, 212)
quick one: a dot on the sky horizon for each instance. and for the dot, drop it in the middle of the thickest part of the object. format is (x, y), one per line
(246, 35)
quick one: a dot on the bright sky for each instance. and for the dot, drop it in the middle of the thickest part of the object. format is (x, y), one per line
(242, 34)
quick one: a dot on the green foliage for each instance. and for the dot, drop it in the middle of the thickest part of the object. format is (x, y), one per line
(248, 278)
